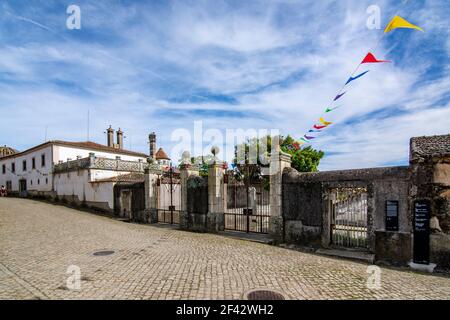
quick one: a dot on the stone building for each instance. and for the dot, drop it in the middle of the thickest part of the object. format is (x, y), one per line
(430, 180)
(397, 214)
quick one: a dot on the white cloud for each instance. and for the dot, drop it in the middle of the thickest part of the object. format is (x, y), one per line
(282, 62)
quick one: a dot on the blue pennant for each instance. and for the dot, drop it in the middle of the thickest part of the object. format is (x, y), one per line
(354, 78)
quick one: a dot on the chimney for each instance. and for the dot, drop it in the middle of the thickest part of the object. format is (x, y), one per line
(152, 141)
(120, 139)
(110, 137)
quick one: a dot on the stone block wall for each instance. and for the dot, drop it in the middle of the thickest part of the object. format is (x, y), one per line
(430, 180)
(305, 204)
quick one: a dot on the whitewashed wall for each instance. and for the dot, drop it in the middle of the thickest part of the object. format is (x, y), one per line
(36, 178)
(80, 184)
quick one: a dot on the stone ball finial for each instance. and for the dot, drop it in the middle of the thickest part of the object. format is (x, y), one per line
(215, 150)
(186, 157)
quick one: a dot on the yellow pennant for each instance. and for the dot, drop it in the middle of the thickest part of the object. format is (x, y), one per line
(325, 123)
(399, 22)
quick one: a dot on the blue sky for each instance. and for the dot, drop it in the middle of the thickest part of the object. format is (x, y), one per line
(161, 65)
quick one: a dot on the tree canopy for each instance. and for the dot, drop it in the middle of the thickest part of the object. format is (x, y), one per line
(303, 159)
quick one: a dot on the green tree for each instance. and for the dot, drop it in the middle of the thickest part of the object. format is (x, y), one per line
(303, 160)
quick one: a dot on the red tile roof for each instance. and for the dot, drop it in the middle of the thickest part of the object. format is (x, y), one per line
(161, 155)
(82, 145)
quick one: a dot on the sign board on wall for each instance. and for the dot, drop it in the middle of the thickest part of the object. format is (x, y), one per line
(422, 231)
(391, 215)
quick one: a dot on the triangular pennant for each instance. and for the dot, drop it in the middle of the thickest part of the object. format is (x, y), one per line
(370, 58)
(331, 109)
(399, 22)
(304, 140)
(354, 78)
(315, 131)
(319, 127)
(325, 123)
(338, 96)
(308, 137)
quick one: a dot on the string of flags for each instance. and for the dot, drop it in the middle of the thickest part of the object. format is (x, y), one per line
(395, 23)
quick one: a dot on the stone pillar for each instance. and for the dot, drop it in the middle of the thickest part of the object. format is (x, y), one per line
(151, 195)
(216, 194)
(278, 161)
(186, 170)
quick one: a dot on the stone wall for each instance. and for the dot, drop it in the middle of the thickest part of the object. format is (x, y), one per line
(430, 178)
(305, 205)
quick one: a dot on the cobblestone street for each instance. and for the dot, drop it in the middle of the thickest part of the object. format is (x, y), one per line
(38, 242)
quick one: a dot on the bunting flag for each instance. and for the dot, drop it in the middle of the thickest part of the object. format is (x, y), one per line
(338, 96)
(370, 58)
(396, 22)
(354, 78)
(331, 109)
(325, 123)
(399, 22)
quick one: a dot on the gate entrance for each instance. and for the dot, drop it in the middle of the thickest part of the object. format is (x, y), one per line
(169, 197)
(23, 188)
(129, 199)
(348, 212)
(248, 207)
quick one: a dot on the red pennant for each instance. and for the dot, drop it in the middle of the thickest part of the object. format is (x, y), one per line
(370, 58)
(319, 127)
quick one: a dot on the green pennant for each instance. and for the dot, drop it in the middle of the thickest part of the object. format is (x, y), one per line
(331, 109)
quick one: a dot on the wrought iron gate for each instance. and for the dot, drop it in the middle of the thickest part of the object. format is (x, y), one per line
(348, 210)
(248, 207)
(169, 197)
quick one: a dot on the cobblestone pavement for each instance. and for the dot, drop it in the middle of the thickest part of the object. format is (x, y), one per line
(38, 242)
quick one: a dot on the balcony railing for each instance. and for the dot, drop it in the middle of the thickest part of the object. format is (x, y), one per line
(100, 164)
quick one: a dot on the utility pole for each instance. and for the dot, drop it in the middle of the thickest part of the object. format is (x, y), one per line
(88, 124)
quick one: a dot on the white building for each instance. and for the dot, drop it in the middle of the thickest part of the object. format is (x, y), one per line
(82, 173)
(32, 172)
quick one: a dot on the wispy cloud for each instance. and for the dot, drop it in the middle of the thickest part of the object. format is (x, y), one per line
(159, 66)
(20, 18)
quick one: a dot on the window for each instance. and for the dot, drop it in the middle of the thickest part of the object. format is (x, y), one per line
(46, 180)
(8, 185)
(4, 168)
(39, 181)
(43, 160)
(24, 165)
(33, 163)
(31, 182)
(13, 167)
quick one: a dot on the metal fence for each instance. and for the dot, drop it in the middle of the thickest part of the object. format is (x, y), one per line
(169, 197)
(248, 205)
(348, 210)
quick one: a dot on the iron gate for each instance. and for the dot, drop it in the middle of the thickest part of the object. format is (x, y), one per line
(348, 210)
(248, 207)
(169, 197)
